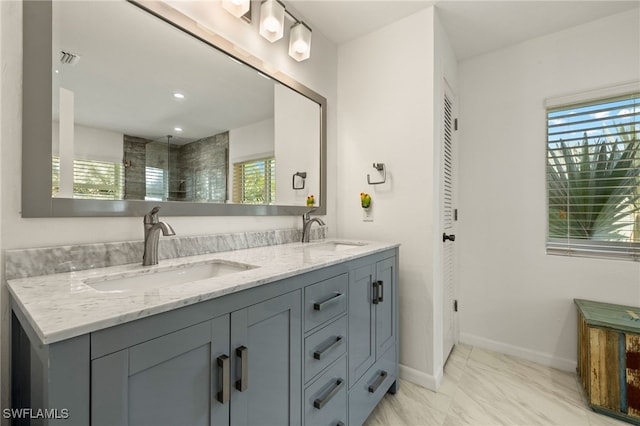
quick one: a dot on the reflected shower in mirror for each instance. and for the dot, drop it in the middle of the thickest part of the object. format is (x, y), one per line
(144, 111)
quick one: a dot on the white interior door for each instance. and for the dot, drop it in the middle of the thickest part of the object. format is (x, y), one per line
(448, 220)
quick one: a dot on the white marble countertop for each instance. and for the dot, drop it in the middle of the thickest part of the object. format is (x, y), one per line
(61, 306)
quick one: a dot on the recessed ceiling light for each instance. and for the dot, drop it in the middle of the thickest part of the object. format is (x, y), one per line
(177, 129)
(178, 95)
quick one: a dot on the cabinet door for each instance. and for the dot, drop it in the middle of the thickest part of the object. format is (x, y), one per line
(361, 339)
(385, 308)
(169, 380)
(266, 345)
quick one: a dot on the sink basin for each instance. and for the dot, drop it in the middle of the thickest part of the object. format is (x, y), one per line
(334, 246)
(166, 277)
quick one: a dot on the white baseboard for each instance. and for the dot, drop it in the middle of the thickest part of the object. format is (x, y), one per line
(528, 354)
(421, 378)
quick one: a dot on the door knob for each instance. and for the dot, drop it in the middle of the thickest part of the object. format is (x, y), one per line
(446, 237)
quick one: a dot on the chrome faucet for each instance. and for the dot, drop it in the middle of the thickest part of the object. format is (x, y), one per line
(152, 228)
(307, 221)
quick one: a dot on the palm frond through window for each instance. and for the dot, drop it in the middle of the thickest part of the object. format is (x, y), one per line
(593, 178)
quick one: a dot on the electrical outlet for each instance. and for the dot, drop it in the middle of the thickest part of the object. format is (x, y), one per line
(367, 215)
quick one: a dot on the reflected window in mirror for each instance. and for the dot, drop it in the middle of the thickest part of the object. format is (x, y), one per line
(254, 181)
(99, 180)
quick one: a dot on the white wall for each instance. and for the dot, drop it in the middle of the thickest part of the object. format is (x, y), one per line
(317, 73)
(250, 142)
(515, 298)
(387, 91)
(91, 144)
(296, 132)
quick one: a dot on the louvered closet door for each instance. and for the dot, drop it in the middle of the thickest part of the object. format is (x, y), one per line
(448, 221)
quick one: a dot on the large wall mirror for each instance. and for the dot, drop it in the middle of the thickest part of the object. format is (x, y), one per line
(132, 104)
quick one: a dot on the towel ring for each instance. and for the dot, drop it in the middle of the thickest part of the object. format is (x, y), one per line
(379, 167)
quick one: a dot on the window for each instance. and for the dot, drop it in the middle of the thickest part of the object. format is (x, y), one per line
(155, 184)
(92, 179)
(254, 182)
(593, 178)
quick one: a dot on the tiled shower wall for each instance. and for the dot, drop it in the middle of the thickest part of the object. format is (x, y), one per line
(197, 171)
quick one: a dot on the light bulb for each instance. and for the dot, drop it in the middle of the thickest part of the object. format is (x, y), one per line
(272, 20)
(300, 46)
(236, 7)
(271, 24)
(300, 42)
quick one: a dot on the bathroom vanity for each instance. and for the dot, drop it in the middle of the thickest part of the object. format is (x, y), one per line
(298, 334)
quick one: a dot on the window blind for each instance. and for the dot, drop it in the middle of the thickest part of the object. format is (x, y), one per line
(92, 179)
(254, 181)
(154, 183)
(593, 178)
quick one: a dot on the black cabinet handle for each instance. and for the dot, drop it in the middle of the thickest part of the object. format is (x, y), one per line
(375, 292)
(321, 402)
(243, 353)
(321, 305)
(449, 237)
(334, 342)
(381, 286)
(223, 363)
(374, 387)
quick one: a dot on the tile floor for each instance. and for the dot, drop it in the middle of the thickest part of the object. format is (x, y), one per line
(484, 388)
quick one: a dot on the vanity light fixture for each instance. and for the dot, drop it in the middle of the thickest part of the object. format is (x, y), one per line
(300, 41)
(236, 7)
(177, 129)
(272, 20)
(178, 95)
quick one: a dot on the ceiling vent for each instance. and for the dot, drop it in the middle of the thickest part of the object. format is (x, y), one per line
(69, 58)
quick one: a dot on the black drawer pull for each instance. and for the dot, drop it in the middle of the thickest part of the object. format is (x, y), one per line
(319, 306)
(332, 344)
(243, 383)
(380, 296)
(321, 402)
(223, 363)
(374, 387)
(375, 292)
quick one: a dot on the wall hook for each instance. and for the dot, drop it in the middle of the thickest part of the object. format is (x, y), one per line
(302, 175)
(379, 167)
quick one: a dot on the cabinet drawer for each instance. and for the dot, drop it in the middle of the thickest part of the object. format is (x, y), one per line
(325, 300)
(325, 400)
(324, 346)
(372, 386)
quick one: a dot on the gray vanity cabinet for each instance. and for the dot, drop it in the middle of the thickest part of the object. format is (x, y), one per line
(242, 368)
(371, 315)
(170, 380)
(270, 332)
(316, 348)
(373, 367)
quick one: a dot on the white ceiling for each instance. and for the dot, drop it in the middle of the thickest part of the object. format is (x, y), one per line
(125, 78)
(473, 27)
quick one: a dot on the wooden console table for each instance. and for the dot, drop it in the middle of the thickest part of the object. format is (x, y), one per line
(609, 358)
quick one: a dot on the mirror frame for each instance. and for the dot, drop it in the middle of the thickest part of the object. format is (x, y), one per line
(37, 126)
